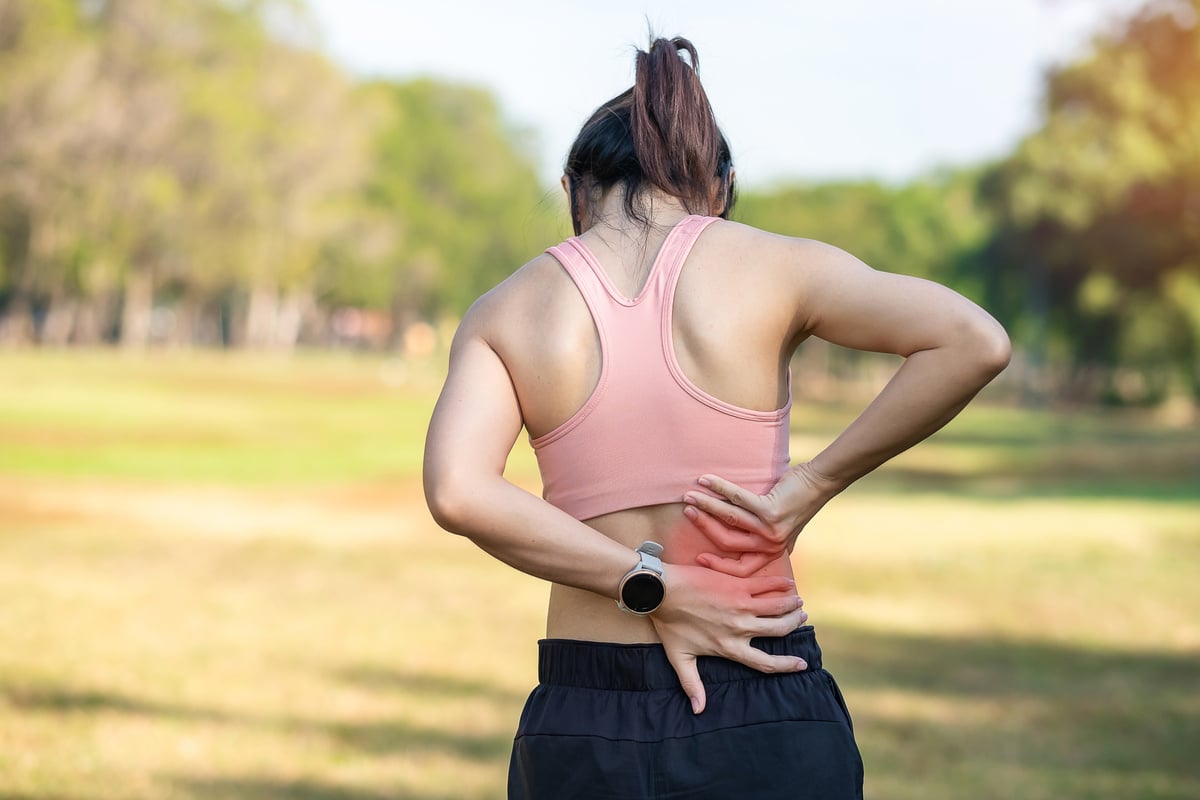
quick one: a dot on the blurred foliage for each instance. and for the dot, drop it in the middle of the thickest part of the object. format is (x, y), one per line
(449, 209)
(1085, 241)
(196, 171)
(932, 227)
(1094, 260)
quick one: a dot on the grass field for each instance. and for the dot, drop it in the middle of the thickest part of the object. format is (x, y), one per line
(218, 580)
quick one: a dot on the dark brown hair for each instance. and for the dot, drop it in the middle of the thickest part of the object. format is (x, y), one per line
(661, 132)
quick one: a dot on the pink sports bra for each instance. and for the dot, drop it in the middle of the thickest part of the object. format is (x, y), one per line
(647, 432)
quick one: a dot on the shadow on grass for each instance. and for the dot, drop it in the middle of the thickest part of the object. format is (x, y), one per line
(1050, 481)
(73, 700)
(1092, 720)
(1001, 667)
(376, 737)
(1087, 455)
(282, 789)
(393, 680)
(937, 718)
(391, 737)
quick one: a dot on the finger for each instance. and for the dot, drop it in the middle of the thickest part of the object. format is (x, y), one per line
(685, 668)
(768, 583)
(743, 566)
(775, 626)
(727, 513)
(735, 494)
(724, 537)
(763, 662)
(737, 567)
(774, 606)
(781, 615)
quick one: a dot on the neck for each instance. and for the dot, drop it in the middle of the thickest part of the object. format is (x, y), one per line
(661, 209)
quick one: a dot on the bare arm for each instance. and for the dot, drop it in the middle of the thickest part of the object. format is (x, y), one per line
(474, 426)
(475, 423)
(952, 349)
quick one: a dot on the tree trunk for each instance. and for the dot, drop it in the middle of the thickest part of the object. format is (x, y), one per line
(1037, 311)
(89, 323)
(289, 316)
(187, 314)
(59, 325)
(16, 323)
(261, 314)
(137, 305)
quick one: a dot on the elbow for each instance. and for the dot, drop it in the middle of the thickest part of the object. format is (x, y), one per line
(992, 347)
(448, 503)
(446, 512)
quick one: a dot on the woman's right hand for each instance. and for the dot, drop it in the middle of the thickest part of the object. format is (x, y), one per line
(708, 613)
(756, 529)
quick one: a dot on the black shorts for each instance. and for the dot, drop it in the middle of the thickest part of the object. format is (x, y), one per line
(611, 721)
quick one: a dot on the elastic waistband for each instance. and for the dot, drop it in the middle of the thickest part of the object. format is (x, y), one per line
(642, 667)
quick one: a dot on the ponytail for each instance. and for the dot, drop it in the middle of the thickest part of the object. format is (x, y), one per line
(674, 133)
(661, 132)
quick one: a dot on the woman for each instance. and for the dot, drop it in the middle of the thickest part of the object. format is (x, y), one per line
(646, 357)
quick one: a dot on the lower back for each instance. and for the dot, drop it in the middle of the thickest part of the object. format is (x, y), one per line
(579, 614)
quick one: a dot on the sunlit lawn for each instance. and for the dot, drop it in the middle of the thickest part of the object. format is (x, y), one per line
(218, 580)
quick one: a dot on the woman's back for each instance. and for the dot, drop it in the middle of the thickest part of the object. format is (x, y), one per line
(648, 352)
(732, 329)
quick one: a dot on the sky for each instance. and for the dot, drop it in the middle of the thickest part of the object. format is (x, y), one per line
(804, 90)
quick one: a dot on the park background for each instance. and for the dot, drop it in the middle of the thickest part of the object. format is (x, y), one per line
(230, 263)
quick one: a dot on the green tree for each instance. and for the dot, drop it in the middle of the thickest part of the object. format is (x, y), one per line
(46, 64)
(453, 205)
(1096, 256)
(170, 152)
(930, 227)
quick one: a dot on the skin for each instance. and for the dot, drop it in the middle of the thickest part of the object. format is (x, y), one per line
(527, 355)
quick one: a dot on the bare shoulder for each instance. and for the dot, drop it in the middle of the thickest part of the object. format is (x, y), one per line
(508, 306)
(786, 279)
(775, 257)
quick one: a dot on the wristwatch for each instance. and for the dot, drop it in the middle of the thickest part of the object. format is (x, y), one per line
(642, 589)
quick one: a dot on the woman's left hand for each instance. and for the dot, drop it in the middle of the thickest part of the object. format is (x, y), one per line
(756, 528)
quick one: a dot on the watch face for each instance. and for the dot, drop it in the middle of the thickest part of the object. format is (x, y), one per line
(642, 592)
